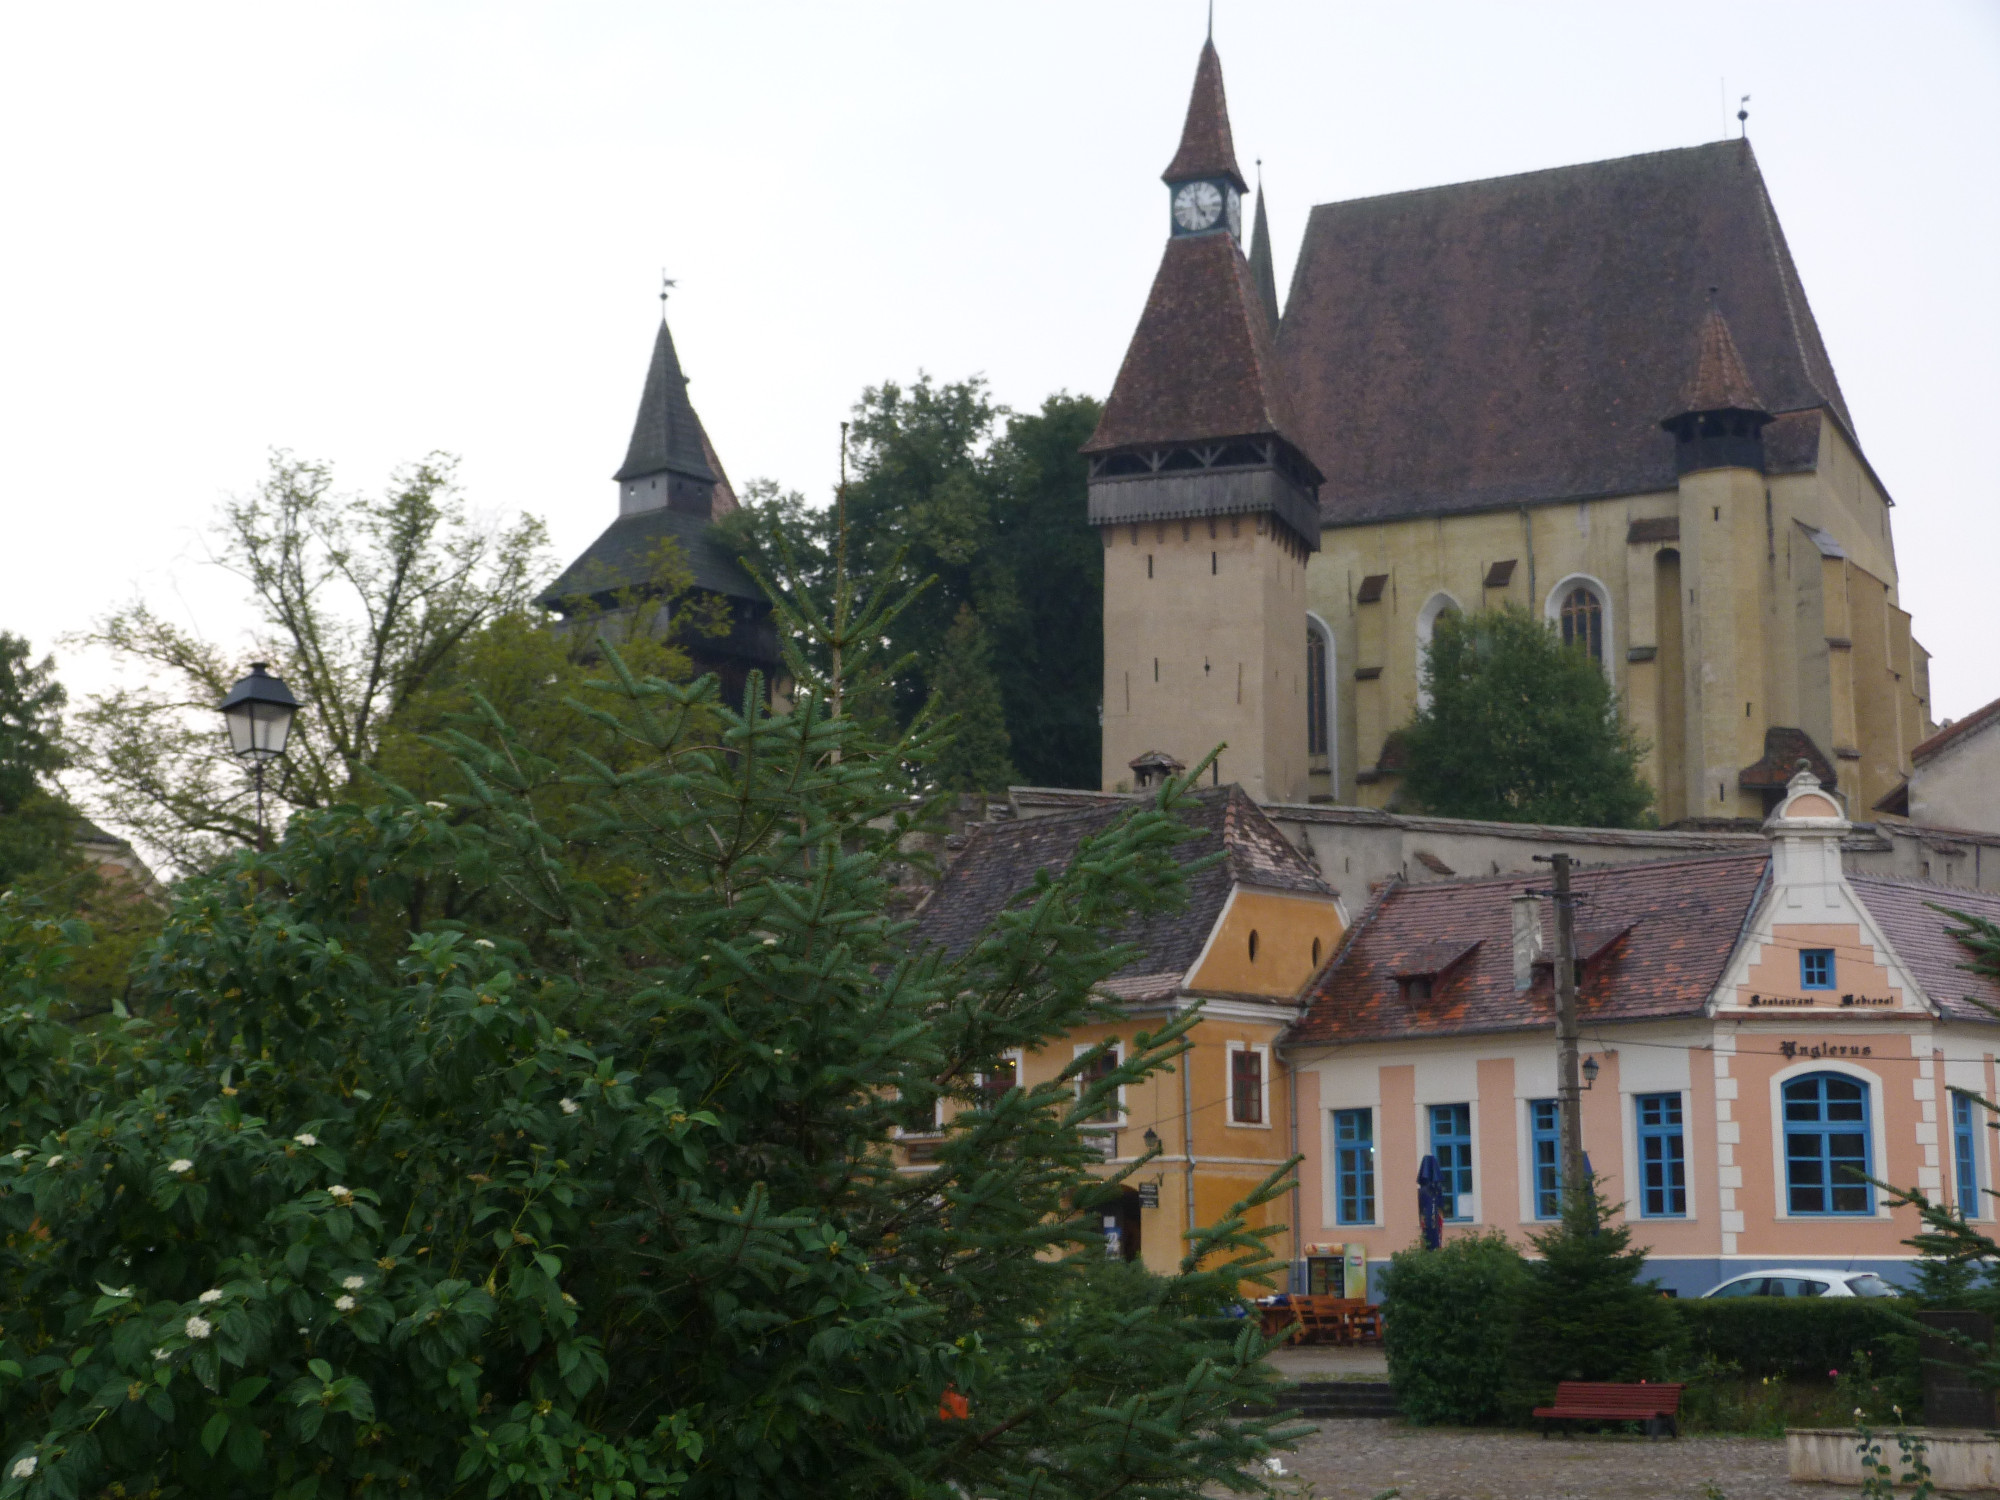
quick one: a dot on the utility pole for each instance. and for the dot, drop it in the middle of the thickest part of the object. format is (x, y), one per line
(1569, 1082)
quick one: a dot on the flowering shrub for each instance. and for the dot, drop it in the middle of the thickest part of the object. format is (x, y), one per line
(597, 1201)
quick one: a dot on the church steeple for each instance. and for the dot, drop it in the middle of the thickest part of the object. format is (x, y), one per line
(665, 463)
(1204, 188)
(1719, 420)
(1262, 270)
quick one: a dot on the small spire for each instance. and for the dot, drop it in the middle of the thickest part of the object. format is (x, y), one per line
(1263, 272)
(1207, 148)
(666, 434)
(1719, 382)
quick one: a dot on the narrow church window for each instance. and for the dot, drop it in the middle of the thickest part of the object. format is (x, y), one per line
(1211, 564)
(1315, 692)
(1315, 953)
(1149, 565)
(1253, 945)
(1156, 669)
(1583, 622)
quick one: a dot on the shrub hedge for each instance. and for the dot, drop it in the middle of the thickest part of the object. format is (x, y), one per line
(1798, 1336)
(1452, 1316)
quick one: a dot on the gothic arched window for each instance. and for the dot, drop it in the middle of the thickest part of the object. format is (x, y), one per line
(1583, 621)
(1316, 715)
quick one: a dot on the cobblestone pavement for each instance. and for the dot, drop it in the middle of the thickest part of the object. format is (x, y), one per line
(1356, 1460)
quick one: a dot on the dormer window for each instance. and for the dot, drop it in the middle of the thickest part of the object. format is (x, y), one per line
(1425, 969)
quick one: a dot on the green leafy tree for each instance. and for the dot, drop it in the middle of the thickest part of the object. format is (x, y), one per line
(594, 1195)
(1450, 1320)
(36, 823)
(975, 757)
(1521, 729)
(1585, 1312)
(990, 504)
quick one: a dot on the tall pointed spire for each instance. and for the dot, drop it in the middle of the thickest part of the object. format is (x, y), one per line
(1263, 272)
(1207, 149)
(1719, 383)
(666, 435)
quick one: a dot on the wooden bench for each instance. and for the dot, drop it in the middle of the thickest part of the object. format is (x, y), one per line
(1658, 1406)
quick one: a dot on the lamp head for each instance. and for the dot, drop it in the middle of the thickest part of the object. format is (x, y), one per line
(1590, 1066)
(259, 713)
(1151, 1138)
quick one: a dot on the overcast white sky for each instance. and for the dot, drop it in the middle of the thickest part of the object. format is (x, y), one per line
(363, 232)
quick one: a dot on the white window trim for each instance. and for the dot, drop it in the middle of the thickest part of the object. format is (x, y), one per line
(1117, 1051)
(1476, 1214)
(1331, 1187)
(1325, 632)
(1552, 611)
(1878, 1143)
(1263, 1051)
(1427, 618)
(897, 1132)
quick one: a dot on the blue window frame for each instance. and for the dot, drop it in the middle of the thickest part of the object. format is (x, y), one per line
(1451, 1144)
(1816, 968)
(1545, 1147)
(1965, 1154)
(1826, 1145)
(1354, 1166)
(1662, 1157)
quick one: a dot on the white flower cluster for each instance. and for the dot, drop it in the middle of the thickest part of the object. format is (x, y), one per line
(340, 1194)
(210, 1297)
(305, 1138)
(199, 1327)
(19, 1152)
(354, 1283)
(344, 1303)
(56, 1160)
(482, 942)
(568, 1106)
(180, 1166)
(23, 1467)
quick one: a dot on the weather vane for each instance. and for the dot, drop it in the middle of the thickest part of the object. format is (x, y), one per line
(1743, 116)
(667, 283)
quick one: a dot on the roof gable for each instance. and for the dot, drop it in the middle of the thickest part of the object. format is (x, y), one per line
(1519, 339)
(1906, 912)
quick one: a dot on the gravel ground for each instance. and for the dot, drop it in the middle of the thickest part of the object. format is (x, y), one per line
(1357, 1460)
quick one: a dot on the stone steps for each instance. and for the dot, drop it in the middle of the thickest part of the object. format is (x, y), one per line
(1334, 1400)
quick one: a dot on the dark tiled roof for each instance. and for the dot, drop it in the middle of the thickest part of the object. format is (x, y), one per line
(1683, 917)
(1207, 149)
(1922, 936)
(1925, 749)
(1518, 339)
(1263, 271)
(999, 862)
(622, 558)
(1202, 363)
(1719, 382)
(666, 435)
(1784, 748)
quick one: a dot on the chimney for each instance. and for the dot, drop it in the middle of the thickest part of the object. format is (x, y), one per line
(1527, 939)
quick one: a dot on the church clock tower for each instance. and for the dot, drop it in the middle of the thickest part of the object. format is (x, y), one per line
(1207, 506)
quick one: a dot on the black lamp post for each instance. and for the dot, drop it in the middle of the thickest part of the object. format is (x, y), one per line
(259, 713)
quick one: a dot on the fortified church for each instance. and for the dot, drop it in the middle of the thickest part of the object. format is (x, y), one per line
(1595, 392)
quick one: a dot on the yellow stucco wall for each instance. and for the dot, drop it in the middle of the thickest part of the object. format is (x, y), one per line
(1293, 936)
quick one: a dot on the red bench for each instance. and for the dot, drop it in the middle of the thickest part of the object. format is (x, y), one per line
(1658, 1406)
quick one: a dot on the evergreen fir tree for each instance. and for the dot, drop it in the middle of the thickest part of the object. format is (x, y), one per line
(36, 823)
(975, 757)
(590, 1191)
(1586, 1313)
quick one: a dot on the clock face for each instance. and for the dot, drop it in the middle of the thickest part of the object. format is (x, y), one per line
(1197, 206)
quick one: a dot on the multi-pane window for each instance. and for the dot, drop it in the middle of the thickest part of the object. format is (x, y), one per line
(1826, 1146)
(1451, 1144)
(1816, 968)
(1965, 1154)
(1246, 1086)
(1662, 1157)
(1545, 1147)
(1091, 1075)
(1583, 621)
(1316, 716)
(1354, 1166)
(999, 1077)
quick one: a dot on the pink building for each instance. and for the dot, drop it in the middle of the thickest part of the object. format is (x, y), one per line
(1769, 1033)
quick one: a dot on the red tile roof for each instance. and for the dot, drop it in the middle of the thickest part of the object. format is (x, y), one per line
(1202, 363)
(1680, 921)
(1719, 383)
(1921, 935)
(1207, 148)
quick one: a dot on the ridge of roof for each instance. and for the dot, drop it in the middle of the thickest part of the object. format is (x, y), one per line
(1514, 340)
(666, 434)
(1719, 381)
(1207, 148)
(624, 557)
(1925, 748)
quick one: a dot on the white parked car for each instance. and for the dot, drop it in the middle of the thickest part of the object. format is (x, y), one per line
(1790, 1281)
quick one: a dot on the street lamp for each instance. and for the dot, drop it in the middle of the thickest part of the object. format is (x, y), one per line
(259, 713)
(1152, 1140)
(1589, 1071)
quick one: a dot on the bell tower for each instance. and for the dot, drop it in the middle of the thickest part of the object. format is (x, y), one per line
(1207, 506)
